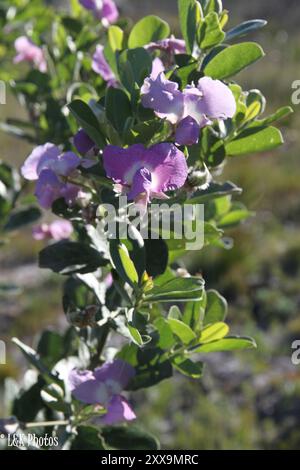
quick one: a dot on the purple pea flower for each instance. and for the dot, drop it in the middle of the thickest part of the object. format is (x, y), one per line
(48, 188)
(57, 230)
(170, 46)
(102, 67)
(157, 67)
(30, 52)
(47, 164)
(146, 173)
(164, 97)
(218, 100)
(83, 142)
(191, 109)
(49, 157)
(103, 386)
(70, 193)
(105, 10)
(187, 132)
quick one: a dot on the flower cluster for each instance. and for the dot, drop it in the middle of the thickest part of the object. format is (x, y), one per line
(190, 110)
(51, 168)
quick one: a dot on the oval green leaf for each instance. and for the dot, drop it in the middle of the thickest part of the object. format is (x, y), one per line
(233, 59)
(255, 139)
(227, 344)
(148, 29)
(183, 331)
(214, 332)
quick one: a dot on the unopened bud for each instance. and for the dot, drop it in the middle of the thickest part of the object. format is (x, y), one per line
(199, 179)
(147, 282)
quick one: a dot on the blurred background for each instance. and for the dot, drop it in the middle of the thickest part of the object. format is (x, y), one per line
(249, 400)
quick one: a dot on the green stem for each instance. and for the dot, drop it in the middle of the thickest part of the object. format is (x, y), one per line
(171, 354)
(46, 423)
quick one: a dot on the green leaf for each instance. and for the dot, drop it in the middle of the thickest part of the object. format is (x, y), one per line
(213, 332)
(214, 191)
(73, 25)
(210, 149)
(252, 111)
(216, 307)
(204, 5)
(115, 38)
(194, 313)
(87, 438)
(190, 15)
(135, 245)
(34, 359)
(212, 5)
(9, 176)
(148, 132)
(279, 114)
(123, 264)
(50, 348)
(67, 257)
(106, 128)
(87, 38)
(210, 33)
(53, 396)
(95, 285)
(148, 29)
(235, 217)
(188, 367)
(118, 108)
(88, 121)
(187, 73)
(227, 344)
(157, 256)
(255, 139)
(192, 241)
(175, 313)
(244, 28)
(21, 218)
(151, 374)
(233, 59)
(76, 8)
(134, 65)
(135, 335)
(183, 331)
(180, 289)
(29, 403)
(129, 438)
(166, 337)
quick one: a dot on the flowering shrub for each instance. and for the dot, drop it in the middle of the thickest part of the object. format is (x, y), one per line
(126, 113)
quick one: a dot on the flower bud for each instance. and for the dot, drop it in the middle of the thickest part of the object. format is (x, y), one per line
(198, 179)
